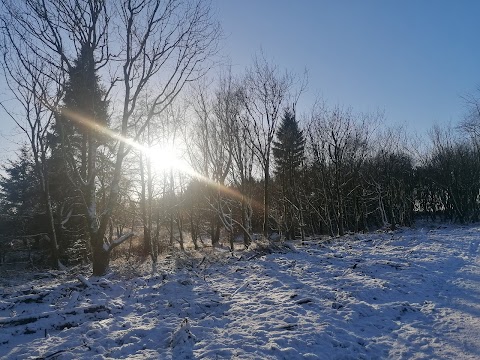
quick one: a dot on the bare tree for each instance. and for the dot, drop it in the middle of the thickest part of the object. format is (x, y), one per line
(223, 153)
(155, 46)
(266, 91)
(452, 174)
(470, 124)
(388, 179)
(339, 142)
(157, 176)
(31, 88)
(212, 153)
(242, 152)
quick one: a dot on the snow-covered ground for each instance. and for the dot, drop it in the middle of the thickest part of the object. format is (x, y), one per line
(411, 294)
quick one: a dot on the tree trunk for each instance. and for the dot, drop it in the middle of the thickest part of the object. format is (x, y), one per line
(266, 199)
(215, 230)
(232, 243)
(302, 223)
(155, 240)
(246, 235)
(193, 232)
(42, 171)
(172, 243)
(51, 223)
(101, 256)
(143, 204)
(180, 230)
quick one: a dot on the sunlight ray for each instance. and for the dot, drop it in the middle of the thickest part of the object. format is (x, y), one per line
(180, 166)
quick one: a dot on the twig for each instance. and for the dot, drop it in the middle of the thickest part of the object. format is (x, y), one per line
(253, 256)
(52, 355)
(244, 285)
(84, 281)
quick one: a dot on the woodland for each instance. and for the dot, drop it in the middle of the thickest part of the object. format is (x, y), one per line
(137, 142)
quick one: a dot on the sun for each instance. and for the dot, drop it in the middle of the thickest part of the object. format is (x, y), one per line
(166, 158)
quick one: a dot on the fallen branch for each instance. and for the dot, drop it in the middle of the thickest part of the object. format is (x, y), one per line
(303, 301)
(54, 355)
(22, 320)
(288, 327)
(244, 285)
(28, 298)
(253, 256)
(201, 262)
(84, 281)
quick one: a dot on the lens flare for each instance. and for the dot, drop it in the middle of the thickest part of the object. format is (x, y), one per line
(163, 157)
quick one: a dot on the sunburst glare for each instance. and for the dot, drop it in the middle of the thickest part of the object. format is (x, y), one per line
(167, 157)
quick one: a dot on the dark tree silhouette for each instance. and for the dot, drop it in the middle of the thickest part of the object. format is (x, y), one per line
(81, 119)
(288, 152)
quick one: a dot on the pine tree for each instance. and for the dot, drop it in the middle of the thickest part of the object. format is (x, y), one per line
(22, 212)
(288, 152)
(85, 110)
(19, 187)
(84, 116)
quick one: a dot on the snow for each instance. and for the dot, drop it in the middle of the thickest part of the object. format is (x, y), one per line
(119, 240)
(409, 294)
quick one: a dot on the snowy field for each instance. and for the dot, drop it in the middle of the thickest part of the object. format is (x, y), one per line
(411, 294)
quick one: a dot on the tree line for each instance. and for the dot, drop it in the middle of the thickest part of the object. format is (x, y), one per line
(127, 137)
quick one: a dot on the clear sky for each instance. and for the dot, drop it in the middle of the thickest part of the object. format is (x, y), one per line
(414, 59)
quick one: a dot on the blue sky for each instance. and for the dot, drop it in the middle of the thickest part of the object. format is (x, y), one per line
(412, 59)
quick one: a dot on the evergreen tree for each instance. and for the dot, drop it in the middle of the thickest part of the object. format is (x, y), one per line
(19, 187)
(22, 213)
(85, 110)
(84, 116)
(288, 152)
